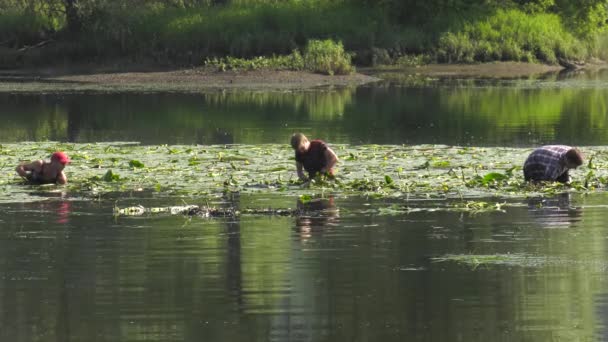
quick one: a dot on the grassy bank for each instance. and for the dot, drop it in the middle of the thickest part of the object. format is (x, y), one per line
(156, 33)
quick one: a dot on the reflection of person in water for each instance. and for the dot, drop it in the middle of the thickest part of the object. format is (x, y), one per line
(45, 172)
(314, 215)
(54, 210)
(554, 212)
(63, 212)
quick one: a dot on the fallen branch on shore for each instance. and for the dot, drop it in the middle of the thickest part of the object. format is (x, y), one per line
(37, 46)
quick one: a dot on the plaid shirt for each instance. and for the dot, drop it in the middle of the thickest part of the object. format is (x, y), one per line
(547, 162)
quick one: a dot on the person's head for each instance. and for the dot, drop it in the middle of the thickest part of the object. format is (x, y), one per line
(574, 158)
(299, 142)
(60, 159)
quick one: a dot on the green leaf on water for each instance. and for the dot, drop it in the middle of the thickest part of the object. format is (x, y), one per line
(493, 177)
(111, 176)
(388, 179)
(590, 164)
(441, 163)
(305, 198)
(351, 156)
(423, 166)
(136, 164)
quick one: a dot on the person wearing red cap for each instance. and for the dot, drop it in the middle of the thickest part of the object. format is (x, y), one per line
(43, 172)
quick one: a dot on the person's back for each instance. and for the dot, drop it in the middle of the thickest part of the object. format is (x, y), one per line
(313, 156)
(551, 163)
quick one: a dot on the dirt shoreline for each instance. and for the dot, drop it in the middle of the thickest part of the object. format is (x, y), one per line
(486, 70)
(198, 79)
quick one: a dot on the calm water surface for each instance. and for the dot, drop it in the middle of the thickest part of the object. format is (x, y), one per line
(71, 271)
(569, 110)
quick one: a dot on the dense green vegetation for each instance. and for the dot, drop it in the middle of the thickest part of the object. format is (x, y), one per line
(190, 31)
(103, 170)
(322, 56)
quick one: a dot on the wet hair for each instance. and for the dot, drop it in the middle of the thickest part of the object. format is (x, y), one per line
(574, 156)
(296, 140)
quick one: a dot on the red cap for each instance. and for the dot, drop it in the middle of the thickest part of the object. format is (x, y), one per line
(60, 157)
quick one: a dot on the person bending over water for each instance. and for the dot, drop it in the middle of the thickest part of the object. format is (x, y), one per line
(551, 163)
(313, 156)
(44, 172)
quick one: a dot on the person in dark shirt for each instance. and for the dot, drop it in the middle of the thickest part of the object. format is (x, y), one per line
(44, 172)
(313, 156)
(551, 163)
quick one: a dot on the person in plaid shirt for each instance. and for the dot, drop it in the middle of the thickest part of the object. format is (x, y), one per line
(551, 163)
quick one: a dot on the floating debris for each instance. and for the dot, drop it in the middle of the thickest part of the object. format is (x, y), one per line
(195, 210)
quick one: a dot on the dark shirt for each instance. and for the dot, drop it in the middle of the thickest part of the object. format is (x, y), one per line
(546, 163)
(314, 159)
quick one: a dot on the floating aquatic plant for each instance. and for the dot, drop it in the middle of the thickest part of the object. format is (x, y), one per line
(420, 171)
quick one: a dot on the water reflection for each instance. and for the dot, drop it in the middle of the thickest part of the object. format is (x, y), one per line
(555, 211)
(357, 276)
(556, 110)
(316, 215)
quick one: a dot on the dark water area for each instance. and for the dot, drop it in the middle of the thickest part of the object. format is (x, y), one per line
(350, 270)
(69, 271)
(568, 110)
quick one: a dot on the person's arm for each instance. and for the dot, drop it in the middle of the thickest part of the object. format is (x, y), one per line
(61, 178)
(24, 170)
(300, 170)
(330, 160)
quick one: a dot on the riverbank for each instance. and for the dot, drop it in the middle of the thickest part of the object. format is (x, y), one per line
(205, 79)
(184, 80)
(485, 70)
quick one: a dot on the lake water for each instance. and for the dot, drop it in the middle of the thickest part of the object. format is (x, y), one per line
(350, 271)
(566, 109)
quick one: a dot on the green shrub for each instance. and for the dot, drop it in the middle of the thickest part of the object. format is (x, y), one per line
(511, 51)
(18, 27)
(454, 48)
(510, 35)
(324, 56)
(413, 60)
(183, 32)
(293, 61)
(327, 57)
(600, 46)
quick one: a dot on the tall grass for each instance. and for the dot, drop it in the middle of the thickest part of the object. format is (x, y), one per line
(511, 35)
(249, 28)
(239, 30)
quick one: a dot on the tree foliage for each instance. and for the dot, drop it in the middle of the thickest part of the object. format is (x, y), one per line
(463, 29)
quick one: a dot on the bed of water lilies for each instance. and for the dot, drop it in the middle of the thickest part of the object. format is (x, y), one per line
(107, 170)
